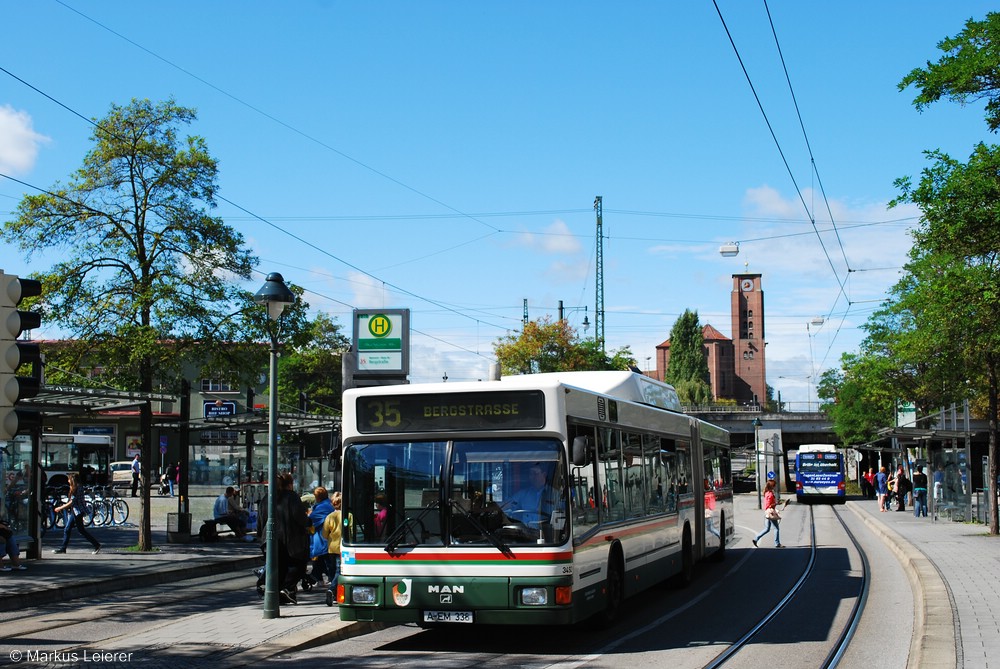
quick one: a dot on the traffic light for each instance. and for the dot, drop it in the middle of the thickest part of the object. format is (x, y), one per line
(14, 353)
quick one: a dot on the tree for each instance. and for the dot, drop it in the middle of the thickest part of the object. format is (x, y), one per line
(967, 70)
(955, 280)
(316, 367)
(547, 346)
(854, 399)
(687, 369)
(956, 258)
(147, 275)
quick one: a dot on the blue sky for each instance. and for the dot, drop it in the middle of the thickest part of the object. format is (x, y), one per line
(444, 156)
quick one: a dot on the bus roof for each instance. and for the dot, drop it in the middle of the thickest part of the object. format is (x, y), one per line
(628, 386)
(817, 448)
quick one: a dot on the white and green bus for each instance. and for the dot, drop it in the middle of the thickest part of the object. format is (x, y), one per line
(537, 499)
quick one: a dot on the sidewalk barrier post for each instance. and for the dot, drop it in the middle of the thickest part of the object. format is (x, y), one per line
(178, 528)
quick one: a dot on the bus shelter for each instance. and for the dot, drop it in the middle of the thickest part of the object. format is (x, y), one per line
(945, 456)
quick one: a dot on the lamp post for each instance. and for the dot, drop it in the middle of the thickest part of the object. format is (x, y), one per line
(756, 453)
(275, 295)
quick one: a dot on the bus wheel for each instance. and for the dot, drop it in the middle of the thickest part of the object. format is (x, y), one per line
(614, 587)
(720, 554)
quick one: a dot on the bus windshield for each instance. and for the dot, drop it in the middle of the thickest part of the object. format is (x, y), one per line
(490, 492)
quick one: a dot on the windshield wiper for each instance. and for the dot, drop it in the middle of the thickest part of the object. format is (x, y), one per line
(396, 538)
(500, 546)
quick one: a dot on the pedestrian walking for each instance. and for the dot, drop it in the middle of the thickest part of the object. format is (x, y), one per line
(170, 475)
(75, 508)
(901, 487)
(870, 479)
(771, 516)
(882, 488)
(919, 493)
(136, 467)
(291, 529)
(332, 529)
(317, 542)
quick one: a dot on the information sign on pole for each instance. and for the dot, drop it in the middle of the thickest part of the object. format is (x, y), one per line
(382, 342)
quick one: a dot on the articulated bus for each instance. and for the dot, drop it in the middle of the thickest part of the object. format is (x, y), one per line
(536, 499)
(819, 474)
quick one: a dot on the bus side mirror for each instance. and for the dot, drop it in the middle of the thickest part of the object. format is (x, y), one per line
(580, 452)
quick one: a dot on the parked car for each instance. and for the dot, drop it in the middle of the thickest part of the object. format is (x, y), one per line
(121, 474)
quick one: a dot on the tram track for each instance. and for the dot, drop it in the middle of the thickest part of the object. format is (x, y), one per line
(771, 618)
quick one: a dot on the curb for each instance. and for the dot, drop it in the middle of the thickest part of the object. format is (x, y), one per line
(322, 634)
(934, 642)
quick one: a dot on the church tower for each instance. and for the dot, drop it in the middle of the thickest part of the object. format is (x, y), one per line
(748, 339)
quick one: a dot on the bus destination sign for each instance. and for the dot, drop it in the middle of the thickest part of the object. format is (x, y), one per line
(502, 410)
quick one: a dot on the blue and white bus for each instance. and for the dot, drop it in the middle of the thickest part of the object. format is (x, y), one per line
(540, 499)
(819, 474)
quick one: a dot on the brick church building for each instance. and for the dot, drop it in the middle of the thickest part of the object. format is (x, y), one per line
(735, 366)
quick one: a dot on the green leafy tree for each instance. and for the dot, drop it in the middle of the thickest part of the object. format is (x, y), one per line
(855, 398)
(315, 367)
(687, 368)
(146, 279)
(954, 276)
(553, 346)
(955, 263)
(967, 71)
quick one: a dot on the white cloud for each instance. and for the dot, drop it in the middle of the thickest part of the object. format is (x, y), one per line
(369, 293)
(556, 239)
(19, 143)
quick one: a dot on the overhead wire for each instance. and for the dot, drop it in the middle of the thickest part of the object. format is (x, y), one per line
(274, 119)
(493, 230)
(237, 206)
(774, 138)
(841, 282)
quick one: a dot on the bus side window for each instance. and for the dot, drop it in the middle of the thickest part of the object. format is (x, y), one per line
(668, 473)
(655, 481)
(609, 471)
(583, 485)
(684, 465)
(635, 493)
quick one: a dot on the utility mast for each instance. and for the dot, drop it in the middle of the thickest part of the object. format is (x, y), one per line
(599, 312)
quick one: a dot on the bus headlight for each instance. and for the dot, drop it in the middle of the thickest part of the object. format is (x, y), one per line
(363, 594)
(534, 596)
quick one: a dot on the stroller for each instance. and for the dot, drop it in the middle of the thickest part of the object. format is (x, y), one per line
(306, 583)
(164, 488)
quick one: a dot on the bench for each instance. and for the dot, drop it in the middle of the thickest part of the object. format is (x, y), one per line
(209, 531)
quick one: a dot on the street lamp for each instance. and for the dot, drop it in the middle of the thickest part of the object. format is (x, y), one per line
(275, 295)
(563, 310)
(729, 250)
(756, 452)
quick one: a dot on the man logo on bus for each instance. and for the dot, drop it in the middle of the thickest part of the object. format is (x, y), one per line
(401, 592)
(379, 326)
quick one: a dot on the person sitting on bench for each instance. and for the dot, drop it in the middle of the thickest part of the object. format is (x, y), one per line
(228, 510)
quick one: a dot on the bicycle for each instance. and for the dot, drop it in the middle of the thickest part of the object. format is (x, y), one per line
(100, 510)
(117, 506)
(54, 497)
